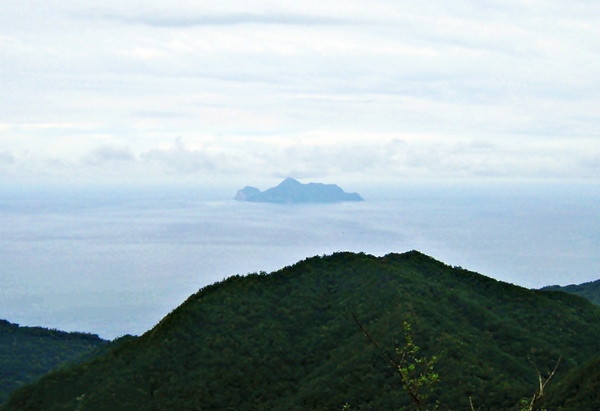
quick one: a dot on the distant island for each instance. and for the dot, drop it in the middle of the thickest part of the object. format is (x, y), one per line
(291, 191)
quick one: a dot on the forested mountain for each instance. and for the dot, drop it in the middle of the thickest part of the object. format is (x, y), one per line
(578, 390)
(27, 353)
(288, 341)
(590, 290)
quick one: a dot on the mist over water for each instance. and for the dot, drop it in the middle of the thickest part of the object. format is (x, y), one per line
(115, 261)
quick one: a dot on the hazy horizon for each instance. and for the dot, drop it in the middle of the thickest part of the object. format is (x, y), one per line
(126, 127)
(115, 261)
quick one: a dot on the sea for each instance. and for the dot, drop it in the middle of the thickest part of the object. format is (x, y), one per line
(115, 260)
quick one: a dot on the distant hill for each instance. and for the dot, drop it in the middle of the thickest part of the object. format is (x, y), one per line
(291, 191)
(287, 341)
(578, 390)
(590, 290)
(27, 353)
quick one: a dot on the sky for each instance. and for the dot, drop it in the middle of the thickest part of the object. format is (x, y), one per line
(151, 91)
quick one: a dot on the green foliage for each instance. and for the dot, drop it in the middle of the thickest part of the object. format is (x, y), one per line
(417, 373)
(27, 353)
(287, 340)
(590, 290)
(578, 390)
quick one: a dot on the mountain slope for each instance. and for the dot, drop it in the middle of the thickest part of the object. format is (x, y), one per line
(287, 340)
(578, 390)
(27, 353)
(590, 290)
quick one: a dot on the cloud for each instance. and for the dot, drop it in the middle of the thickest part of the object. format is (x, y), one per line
(185, 14)
(226, 19)
(6, 158)
(471, 88)
(379, 158)
(109, 154)
(590, 163)
(180, 159)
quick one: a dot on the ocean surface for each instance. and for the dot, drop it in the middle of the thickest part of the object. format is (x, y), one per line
(114, 261)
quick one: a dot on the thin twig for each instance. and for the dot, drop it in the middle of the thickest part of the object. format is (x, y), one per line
(397, 366)
(383, 354)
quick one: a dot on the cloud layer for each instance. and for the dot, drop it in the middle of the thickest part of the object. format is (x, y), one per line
(371, 90)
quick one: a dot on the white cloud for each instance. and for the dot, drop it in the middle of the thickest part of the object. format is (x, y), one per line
(313, 87)
(178, 158)
(109, 154)
(6, 158)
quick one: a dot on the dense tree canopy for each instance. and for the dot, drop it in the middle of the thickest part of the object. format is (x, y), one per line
(590, 290)
(27, 353)
(288, 340)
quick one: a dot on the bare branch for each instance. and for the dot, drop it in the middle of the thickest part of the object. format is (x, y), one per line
(542, 382)
(471, 404)
(383, 354)
(411, 376)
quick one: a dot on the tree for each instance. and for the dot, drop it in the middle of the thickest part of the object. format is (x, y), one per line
(530, 404)
(419, 377)
(416, 373)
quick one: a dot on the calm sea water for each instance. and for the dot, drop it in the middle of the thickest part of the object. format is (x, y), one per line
(115, 261)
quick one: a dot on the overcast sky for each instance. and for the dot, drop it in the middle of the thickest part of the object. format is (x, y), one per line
(139, 91)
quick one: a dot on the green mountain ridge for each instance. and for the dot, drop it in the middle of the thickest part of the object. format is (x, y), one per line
(27, 353)
(589, 290)
(287, 340)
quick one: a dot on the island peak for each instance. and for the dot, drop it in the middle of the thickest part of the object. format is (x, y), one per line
(291, 191)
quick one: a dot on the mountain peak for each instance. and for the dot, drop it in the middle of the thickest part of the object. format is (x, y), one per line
(282, 340)
(289, 181)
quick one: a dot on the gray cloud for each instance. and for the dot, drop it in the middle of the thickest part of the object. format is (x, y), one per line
(518, 78)
(6, 158)
(226, 19)
(590, 163)
(178, 158)
(110, 154)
